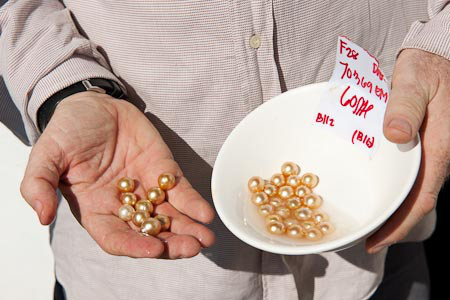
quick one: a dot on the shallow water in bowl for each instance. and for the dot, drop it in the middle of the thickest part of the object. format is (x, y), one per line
(344, 224)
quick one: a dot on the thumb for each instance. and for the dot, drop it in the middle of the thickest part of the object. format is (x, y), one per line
(407, 104)
(41, 179)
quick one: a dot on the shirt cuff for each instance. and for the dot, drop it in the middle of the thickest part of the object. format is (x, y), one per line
(73, 70)
(432, 36)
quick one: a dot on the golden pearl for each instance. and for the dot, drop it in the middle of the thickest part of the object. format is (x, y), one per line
(290, 221)
(326, 227)
(276, 202)
(126, 212)
(277, 218)
(156, 195)
(290, 168)
(270, 190)
(310, 180)
(275, 227)
(293, 180)
(283, 212)
(294, 231)
(128, 198)
(306, 225)
(126, 184)
(255, 184)
(303, 213)
(139, 217)
(144, 206)
(260, 198)
(302, 191)
(166, 181)
(313, 234)
(151, 226)
(277, 180)
(285, 192)
(313, 201)
(265, 210)
(294, 202)
(165, 222)
(319, 217)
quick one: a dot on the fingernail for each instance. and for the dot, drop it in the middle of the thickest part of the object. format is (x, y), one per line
(401, 125)
(38, 208)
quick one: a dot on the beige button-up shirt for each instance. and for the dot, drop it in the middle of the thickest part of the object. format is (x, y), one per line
(196, 68)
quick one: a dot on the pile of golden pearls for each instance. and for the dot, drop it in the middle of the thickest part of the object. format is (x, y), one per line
(140, 212)
(289, 205)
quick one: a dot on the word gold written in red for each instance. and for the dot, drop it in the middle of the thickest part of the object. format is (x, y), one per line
(325, 119)
(360, 105)
(359, 136)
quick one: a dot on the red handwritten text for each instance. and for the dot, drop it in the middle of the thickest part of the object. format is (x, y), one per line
(325, 119)
(376, 70)
(350, 52)
(360, 105)
(359, 136)
(361, 81)
(380, 93)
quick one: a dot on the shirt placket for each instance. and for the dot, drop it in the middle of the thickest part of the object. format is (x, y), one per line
(258, 76)
(262, 43)
(255, 62)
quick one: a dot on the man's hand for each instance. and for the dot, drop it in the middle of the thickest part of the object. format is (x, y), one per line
(420, 99)
(91, 142)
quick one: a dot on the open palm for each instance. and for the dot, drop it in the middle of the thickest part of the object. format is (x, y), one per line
(91, 142)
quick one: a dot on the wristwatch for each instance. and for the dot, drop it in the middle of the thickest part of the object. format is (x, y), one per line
(99, 85)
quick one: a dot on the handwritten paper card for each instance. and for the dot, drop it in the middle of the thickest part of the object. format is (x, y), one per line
(354, 105)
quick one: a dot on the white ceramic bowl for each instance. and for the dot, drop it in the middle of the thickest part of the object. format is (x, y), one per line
(358, 193)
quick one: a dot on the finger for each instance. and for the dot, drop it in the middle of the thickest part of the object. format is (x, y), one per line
(182, 225)
(420, 202)
(115, 237)
(179, 246)
(407, 104)
(188, 201)
(41, 179)
(176, 246)
(410, 213)
(182, 196)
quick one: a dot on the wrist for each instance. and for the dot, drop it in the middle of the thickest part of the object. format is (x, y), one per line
(98, 86)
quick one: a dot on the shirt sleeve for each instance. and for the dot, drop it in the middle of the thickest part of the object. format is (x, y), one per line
(432, 35)
(42, 52)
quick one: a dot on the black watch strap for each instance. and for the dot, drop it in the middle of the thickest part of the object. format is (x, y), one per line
(100, 85)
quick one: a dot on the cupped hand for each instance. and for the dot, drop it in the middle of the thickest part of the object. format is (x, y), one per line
(420, 100)
(91, 142)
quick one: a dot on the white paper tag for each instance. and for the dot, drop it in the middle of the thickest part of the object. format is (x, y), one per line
(354, 105)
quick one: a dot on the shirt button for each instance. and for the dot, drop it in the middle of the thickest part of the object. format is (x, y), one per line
(255, 41)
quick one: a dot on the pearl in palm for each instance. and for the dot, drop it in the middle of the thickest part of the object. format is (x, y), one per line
(126, 212)
(151, 226)
(156, 195)
(166, 181)
(126, 184)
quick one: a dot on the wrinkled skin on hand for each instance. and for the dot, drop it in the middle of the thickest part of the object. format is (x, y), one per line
(90, 143)
(419, 103)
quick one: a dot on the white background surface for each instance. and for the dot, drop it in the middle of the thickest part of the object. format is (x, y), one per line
(26, 261)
